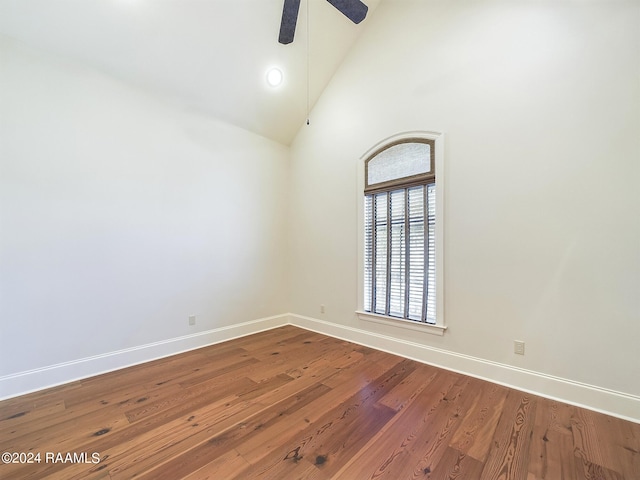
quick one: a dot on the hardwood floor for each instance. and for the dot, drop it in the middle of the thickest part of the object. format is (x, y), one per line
(289, 404)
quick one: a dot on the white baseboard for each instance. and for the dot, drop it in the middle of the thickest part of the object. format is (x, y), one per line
(610, 402)
(32, 380)
(600, 399)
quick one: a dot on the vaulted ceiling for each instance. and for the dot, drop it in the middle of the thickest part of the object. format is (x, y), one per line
(207, 55)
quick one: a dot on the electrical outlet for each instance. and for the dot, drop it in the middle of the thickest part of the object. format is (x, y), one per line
(518, 347)
(192, 320)
(321, 308)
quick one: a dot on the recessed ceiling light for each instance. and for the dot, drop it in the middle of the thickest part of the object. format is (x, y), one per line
(274, 77)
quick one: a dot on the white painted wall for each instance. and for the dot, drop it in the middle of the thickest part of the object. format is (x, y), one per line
(111, 236)
(540, 104)
(121, 215)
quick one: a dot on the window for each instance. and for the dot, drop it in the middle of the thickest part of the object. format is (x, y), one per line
(400, 277)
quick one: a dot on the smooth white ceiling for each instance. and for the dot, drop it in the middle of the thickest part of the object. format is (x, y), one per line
(209, 55)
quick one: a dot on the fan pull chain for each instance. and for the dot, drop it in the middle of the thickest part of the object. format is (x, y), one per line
(308, 81)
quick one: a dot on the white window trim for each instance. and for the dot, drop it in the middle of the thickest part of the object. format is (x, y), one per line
(439, 327)
(402, 323)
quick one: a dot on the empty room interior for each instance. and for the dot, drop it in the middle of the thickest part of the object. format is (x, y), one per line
(403, 242)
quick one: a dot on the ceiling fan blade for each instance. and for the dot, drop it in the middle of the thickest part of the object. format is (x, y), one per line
(354, 10)
(289, 19)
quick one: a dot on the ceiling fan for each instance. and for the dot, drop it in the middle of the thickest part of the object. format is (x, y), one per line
(354, 10)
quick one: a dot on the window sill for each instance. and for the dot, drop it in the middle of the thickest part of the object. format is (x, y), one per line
(401, 323)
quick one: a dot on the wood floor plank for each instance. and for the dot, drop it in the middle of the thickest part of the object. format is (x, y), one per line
(74, 416)
(509, 455)
(406, 391)
(390, 444)
(360, 373)
(474, 435)
(289, 403)
(455, 465)
(31, 401)
(133, 457)
(549, 439)
(337, 435)
(66, 433)
(187, 399)
(10, 425)
(430, 443)
(592, 471)
(275, 394)
(225, 466)
(265, 425)
(603, 442)
(224, 370)
(139, 378)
